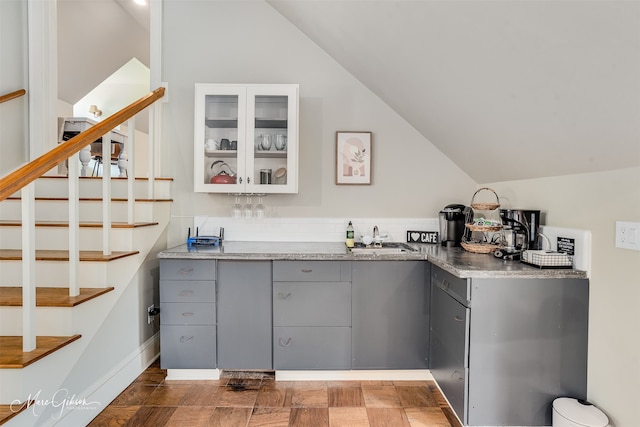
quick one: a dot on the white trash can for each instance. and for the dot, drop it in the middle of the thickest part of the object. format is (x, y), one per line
(568, 412)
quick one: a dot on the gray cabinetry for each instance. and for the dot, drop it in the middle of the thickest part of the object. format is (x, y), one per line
(390, 315)
(312, 315)
(244, 315)
(524, 341)
(188, 316)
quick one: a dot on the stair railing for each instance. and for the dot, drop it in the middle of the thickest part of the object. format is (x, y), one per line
(23, 179)
(9, 96)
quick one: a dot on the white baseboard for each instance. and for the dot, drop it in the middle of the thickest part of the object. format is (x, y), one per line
(357, 375)
(192, 374)
(109, 386)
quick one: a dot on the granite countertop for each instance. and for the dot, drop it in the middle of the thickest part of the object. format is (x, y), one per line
(454, 260)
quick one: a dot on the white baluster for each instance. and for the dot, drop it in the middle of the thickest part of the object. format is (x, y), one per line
(85, 157)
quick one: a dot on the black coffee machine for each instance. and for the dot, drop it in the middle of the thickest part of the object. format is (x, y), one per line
(452, 219)
(519, 233)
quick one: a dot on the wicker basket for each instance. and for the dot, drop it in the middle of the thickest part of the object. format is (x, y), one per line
(484, 228)
(485, 206)
(479, 248)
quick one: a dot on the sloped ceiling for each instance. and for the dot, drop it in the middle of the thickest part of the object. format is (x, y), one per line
(95, 39)
(507, 90)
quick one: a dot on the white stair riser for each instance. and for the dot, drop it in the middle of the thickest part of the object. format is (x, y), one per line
(56, 273)
(58, 238)
(54, 210)
(55, 187)
(49, 321)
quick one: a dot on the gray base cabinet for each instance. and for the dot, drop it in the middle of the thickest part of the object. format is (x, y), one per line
(503, 349)
(312, 315)
(244, 315)
(390, 315)
(187, 314)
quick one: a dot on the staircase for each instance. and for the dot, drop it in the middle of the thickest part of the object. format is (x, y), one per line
(91, 346)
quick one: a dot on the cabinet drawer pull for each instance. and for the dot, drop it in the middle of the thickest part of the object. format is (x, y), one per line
(185, 271)
(458, 319)
(248, 180)
(186, 293)
(457, 376)
(184, 339)
(187, 314)
(240, 180)
(306, 270)
(282, 295)
(284, 343)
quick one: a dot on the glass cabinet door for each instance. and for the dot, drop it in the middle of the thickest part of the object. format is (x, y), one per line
(272, 125)
(219, 138)
(246, 138)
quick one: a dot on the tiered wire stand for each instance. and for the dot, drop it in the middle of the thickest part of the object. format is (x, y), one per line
(480, 238)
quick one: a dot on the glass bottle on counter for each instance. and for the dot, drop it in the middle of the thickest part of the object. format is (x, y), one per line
(350, 240)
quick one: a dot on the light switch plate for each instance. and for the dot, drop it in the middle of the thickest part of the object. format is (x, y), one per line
(628, 235)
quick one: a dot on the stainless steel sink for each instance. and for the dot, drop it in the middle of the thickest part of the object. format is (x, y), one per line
(386, 249)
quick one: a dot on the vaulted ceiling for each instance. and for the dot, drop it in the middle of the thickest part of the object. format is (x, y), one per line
(507, 90)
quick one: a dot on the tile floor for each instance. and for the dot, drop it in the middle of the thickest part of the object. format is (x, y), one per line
(243, 399)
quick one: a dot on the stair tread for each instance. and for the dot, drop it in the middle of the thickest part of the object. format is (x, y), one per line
(11, 296)
(88, 224)
(11, 410)
(63, 255)
(12, 356)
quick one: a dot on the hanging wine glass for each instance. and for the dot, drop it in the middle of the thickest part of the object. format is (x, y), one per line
(248, 208)
(236, 211)
(260, 210)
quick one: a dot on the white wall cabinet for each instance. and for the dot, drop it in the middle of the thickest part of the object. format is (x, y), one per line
(246, 138)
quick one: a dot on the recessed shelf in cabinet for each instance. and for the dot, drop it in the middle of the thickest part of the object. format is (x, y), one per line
(233, 123)
(234, 153)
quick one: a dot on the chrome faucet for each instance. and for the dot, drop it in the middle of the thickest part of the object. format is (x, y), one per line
(376, 237)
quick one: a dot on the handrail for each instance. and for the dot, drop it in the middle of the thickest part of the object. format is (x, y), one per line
(12, 95)
(28, 173)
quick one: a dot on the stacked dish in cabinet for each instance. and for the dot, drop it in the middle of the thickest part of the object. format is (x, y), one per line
(483, 226)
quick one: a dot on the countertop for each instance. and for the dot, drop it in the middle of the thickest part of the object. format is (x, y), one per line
(457, 261)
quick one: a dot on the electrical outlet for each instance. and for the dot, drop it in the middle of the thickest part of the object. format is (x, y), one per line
(151, 312)
(628, 235)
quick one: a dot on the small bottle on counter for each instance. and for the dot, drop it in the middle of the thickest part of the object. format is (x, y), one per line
(350, 241)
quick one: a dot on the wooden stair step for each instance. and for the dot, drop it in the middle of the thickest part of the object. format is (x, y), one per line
(87, 224)
(63, 255)
(11, 410)
(12, 356)
(11, 296)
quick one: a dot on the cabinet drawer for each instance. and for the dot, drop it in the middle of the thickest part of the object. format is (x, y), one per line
(312, 348)
(311, 271)
(178, 313)
(312, 304)
(457, 287)
(188, 347)
(187, 269)
(187, 291)
(449, 324)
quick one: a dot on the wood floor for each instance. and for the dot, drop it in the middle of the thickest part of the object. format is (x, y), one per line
(253, 400)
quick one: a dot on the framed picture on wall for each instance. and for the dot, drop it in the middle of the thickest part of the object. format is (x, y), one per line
(353, 158)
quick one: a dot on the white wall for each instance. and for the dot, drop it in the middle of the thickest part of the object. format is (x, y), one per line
(594, 202)
(13, 76)
(249, 42)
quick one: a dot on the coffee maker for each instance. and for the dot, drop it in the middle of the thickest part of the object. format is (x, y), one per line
(519, 232)
(452, 219)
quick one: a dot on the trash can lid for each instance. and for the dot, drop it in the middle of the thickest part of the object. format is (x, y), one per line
(580, 412)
